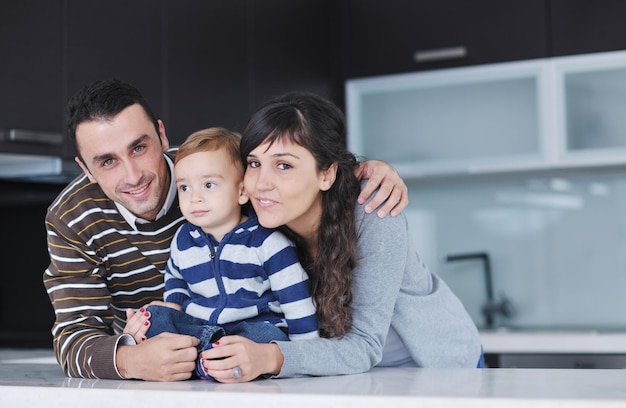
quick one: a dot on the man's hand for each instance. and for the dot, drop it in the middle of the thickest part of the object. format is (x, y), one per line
(166, 357)
(392, 196)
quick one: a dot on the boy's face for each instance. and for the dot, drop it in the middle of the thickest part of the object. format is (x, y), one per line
(124, 155)
(210, 191)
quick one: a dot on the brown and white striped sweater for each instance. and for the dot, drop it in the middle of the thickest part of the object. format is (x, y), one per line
(99, 266)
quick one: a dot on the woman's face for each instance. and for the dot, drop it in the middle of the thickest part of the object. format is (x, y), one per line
(285, 187)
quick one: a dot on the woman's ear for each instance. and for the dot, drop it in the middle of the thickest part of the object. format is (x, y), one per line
(328, 177)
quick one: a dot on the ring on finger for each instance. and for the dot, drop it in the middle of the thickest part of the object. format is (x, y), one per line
(237, 372)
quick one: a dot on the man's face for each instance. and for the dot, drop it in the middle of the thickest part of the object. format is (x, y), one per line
(124, 155)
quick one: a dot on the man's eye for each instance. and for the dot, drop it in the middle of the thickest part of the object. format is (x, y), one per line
(138, 149)
(107, 163)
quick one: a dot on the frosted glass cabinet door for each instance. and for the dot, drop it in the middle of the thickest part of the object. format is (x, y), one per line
(593, 98)
(450, 121)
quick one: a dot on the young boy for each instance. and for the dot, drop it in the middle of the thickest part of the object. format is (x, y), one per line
(226, 273)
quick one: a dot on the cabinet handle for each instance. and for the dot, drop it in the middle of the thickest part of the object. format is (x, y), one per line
(440, 54)
(35, 136)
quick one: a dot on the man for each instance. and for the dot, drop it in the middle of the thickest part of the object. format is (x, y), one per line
(109, 234)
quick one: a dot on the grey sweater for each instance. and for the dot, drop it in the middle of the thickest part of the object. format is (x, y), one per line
(391, 287)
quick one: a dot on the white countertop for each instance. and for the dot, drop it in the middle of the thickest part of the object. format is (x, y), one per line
(557, 342)
(33, 378)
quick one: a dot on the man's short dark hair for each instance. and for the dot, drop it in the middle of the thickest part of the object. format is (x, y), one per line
(101, 100)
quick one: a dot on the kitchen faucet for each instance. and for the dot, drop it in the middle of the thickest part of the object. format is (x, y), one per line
(492, 308)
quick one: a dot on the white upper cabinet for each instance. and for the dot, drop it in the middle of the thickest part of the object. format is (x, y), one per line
(526, 115)
(591, 105)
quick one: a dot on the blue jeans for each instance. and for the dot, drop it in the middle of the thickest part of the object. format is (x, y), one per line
(165, 319)
(481, 359)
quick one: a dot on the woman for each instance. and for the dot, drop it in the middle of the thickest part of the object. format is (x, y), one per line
(377, 303)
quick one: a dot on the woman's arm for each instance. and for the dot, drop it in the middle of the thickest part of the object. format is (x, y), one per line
(376, 284)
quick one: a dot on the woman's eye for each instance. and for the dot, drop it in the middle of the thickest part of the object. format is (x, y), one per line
(284, 166)
(253, 164)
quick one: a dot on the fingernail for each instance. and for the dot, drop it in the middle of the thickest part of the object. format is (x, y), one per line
(144, 338)
(217, 343)
(142, 310)
(146, 323)
(147, 314)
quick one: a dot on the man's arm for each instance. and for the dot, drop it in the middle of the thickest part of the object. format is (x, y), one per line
(392, 196)
(85, 341)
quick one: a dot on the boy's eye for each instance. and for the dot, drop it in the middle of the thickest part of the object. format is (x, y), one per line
(209, 185)
(183, 188)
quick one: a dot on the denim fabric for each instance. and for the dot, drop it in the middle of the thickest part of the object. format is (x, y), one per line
(165, 319)
(481, 360)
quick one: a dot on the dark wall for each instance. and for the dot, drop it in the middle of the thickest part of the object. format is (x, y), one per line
(26, 316)
(199, 63)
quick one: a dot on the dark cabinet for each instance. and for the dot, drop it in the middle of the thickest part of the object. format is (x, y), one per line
(114, 39)
(393, 36)
(582, 26)
(226, 58)
(207, 72)
(30, 72)
(295, 47)
(26, 315)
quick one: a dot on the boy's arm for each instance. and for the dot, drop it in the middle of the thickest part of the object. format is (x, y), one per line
(291, 288)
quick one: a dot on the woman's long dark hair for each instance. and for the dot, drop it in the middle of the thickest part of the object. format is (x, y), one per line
(319, 126)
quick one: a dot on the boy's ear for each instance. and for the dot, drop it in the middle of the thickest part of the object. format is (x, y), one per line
(243, 195)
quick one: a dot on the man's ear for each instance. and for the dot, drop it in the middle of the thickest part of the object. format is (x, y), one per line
(85, 169)
(328, 177)
(165, 144)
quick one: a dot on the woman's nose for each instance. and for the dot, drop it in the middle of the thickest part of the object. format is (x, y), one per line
(263, 180)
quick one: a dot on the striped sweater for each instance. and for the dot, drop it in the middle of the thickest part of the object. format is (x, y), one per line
(252, 274)
(99, 266)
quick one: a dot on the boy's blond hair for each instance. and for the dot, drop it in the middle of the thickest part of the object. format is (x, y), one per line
(210, 140)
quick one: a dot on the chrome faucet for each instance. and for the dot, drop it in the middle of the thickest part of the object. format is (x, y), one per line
(492, 308)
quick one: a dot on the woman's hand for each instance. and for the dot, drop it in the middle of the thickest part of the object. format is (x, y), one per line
(138, 322)
(252, 358)
(392, 196)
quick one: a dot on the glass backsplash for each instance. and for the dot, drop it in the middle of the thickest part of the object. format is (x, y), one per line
(556, 242)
